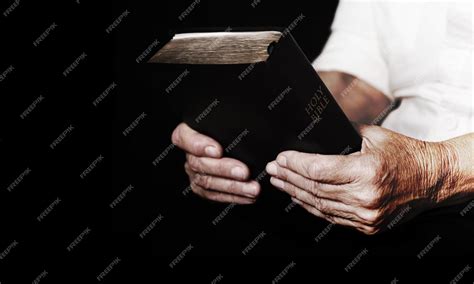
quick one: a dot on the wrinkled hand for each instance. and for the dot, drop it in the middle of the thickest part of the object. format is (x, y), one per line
(368, 189)
(212, 176)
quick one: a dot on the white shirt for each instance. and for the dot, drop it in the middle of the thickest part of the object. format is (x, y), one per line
(419, 52)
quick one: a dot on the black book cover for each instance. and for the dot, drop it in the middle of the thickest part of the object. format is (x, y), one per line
(257, 110)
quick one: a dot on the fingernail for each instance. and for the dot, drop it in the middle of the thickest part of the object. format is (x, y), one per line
(296, 201)
(250, 189)
(276, 182)
(212, 151)
(271, 168)
(237, 172)
(281, 160)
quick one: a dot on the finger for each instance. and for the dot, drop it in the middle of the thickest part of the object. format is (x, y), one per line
(335, 169)
(223, 167)
(333, 219)
(219, 196)
(227, 198)
(189, 171)
(247, 189)
(319, 189)
(209, 194)
(324, 205)
(195, 143)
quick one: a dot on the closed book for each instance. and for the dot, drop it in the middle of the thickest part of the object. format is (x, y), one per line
(255, 92)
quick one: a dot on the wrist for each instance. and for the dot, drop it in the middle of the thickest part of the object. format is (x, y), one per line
(438, 162)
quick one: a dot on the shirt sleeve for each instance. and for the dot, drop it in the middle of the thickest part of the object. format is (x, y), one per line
(354, 46)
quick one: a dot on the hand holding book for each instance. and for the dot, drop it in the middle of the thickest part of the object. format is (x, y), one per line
(212, 176)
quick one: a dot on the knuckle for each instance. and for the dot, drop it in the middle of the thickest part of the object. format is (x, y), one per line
(330, 219)
(319, 204)
(370, 231)
(312, 169)
(369, 198)
(187, 168)
(210, 196)
(234, 199)
(234, 186)
(213, 197)
(194, 163)
(282, 174)
(372, 169)
(312, 186)
(203, 180)
(224, 168)
(298, 194)
(371, 216)
(197, 190)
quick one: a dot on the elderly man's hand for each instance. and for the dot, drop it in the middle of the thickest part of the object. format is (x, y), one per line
(212, 176)
(367, 189)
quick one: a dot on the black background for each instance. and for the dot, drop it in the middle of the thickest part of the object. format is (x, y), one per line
(187, 219)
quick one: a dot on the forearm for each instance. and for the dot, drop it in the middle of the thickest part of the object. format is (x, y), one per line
(360, 102)
(454, 170)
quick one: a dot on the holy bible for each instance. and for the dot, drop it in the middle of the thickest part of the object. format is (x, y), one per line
(255, 92)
